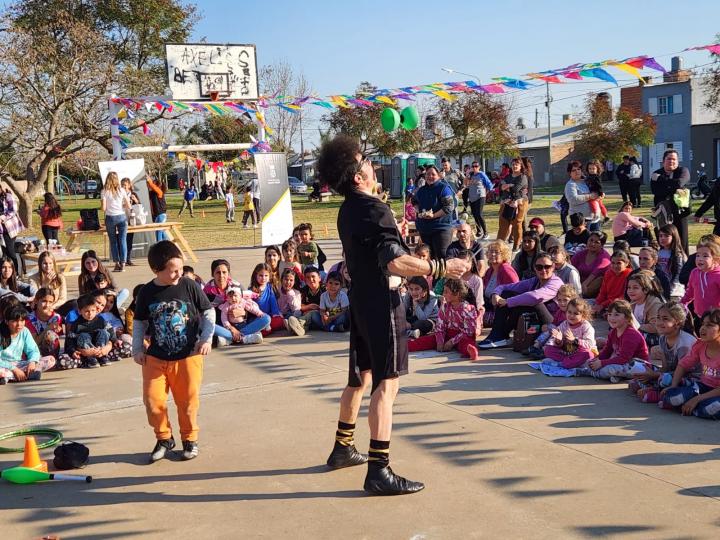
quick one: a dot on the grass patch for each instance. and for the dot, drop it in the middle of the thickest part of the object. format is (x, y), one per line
(209, 230)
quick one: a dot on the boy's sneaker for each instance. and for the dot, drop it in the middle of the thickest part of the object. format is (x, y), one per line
(662, 404)
(35, 375)
(161, 448)
(3, 380)
(90, 362)
(221, 342)
(190, 450)
(252, 339)
(104, 361)
(295, 326)
(614, 379)
(414, 334)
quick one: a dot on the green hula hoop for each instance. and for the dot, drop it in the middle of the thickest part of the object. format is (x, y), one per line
(55, 438)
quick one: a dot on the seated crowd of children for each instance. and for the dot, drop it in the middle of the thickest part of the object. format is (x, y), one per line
(662, 308)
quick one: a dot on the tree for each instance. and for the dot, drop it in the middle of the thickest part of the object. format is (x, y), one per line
(60, 60)
(474, 124)
(364, 123)
(278, 80)
(605, 138)
(712, 82)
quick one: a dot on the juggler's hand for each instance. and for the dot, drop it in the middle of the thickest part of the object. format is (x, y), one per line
(455, 268)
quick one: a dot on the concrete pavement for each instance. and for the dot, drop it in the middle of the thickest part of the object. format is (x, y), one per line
(504, 452)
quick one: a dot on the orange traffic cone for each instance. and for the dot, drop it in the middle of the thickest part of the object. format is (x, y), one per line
(32, 456)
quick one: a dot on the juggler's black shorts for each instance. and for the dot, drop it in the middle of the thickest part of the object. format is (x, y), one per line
(378, 342)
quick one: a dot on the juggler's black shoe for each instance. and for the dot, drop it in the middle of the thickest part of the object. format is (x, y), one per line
(345, 456)
(383, 481)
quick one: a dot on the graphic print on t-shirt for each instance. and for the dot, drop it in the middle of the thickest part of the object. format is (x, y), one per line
(170, 323)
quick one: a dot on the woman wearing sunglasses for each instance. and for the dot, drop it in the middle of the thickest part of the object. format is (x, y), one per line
(514, 299)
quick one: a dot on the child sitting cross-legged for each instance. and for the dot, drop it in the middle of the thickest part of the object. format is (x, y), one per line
(673, 344)
(234, 316)
(310, 295)
(701, 399)
(20, 358)
(88, 337)
(565, 293)
(421, 307)
(456, 325)
(261, 283)
(46, 326)
(121, 339)
(334, 305)
(623, 345)
(572, 343)
(289, 298)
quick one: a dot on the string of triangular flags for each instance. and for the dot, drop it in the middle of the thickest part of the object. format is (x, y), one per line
(447, 90)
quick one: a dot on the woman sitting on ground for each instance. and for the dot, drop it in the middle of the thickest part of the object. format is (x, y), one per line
(216, 291)
(512, 300)
(500, 272)
(592, 262)
(10, 284)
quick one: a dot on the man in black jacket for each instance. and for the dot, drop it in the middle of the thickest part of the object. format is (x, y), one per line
(623, 176)
(714, 201)
(664, 182)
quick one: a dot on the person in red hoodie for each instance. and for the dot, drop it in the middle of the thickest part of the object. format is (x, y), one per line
(703, 288)
(614, 282)
(623, 345)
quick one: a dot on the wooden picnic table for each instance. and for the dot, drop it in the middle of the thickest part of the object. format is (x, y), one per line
(171, 228)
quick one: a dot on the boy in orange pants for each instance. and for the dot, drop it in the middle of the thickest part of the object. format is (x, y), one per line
(180, 321)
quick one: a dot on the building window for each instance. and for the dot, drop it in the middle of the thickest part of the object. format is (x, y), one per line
(665, 105)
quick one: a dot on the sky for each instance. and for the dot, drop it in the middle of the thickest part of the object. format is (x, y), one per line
(339, 44)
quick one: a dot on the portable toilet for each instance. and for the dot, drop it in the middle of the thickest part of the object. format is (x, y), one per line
(398, 175)
(415, 160)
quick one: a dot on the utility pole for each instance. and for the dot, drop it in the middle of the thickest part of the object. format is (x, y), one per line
(536, 118)
(302, 151)
(547, 104)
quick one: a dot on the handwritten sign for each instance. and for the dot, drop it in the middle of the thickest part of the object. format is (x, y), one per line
(201, 71)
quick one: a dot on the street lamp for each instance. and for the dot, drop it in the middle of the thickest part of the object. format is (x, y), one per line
(451, 70)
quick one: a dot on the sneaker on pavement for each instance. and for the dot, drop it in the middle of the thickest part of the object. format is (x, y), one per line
(414, 334)
(35, 375)
(650, 395)
(104, 361)
(500, 343)
(383, 481)
(222, 342)
(190, 450)
(472, 353)
(252, 339)
(3, 380)
(161, 448)
(295, 326)
(90, 362)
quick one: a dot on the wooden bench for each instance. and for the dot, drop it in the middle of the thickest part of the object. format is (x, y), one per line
(171, 228)
(325, 196)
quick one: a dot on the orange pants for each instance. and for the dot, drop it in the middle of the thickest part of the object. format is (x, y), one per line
(183, 379)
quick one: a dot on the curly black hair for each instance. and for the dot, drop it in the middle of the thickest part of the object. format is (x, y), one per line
(337, 163)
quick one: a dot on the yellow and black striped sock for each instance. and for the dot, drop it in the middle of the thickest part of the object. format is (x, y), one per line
(379, 454)
(344, 436)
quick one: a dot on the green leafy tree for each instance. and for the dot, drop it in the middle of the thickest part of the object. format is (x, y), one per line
(60, 60)
(474, 124)
(606, 138)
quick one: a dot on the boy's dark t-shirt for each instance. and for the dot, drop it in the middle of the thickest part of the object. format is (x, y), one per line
(574, 239)
(173, 313)
(308, 297)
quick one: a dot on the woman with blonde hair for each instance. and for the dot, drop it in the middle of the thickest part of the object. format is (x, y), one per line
(47, 276)
(499, 272)
(114, 203)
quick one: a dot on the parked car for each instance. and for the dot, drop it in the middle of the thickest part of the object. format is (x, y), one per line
(296, 185)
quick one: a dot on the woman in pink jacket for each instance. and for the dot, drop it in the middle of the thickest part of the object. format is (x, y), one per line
(500, 272)
(627, 227)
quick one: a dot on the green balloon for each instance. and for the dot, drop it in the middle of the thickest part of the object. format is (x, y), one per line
(390, 119)
(409, 118)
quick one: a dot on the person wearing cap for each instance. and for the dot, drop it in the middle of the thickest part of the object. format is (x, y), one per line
(537, 224)
(376, 256)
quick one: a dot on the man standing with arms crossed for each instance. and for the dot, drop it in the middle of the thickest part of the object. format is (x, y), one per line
(375, 256)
